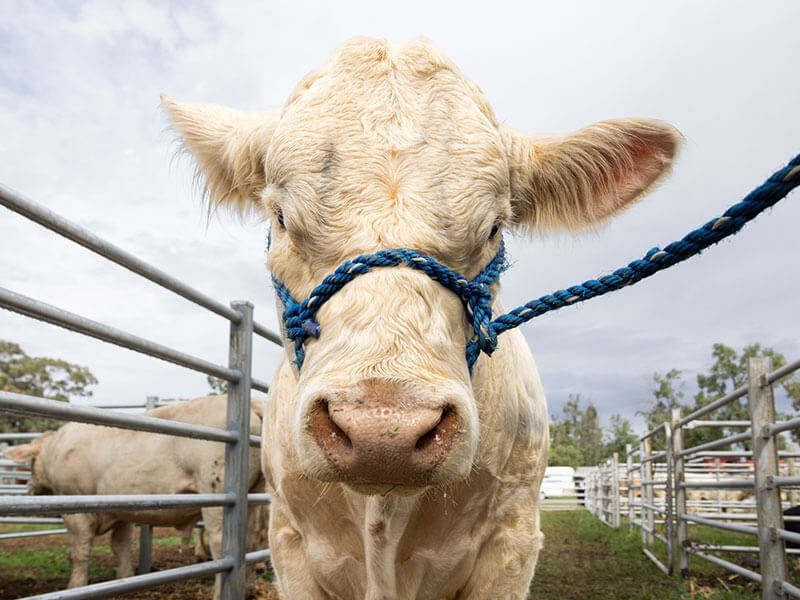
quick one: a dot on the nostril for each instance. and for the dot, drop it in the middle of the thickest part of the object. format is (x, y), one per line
(327, 432)
(441, 434)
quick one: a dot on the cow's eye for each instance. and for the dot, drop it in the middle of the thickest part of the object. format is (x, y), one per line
(279, 217)
(495, 229)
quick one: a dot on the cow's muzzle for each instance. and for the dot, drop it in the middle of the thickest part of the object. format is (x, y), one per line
(374, 443)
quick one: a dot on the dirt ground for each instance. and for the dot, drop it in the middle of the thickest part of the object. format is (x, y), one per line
(164, 557)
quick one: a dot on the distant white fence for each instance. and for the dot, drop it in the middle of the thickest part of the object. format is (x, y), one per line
(669, 493)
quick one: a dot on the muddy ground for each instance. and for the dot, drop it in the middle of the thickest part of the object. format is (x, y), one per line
(164, 557)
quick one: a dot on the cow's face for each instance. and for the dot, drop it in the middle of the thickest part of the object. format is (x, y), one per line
(30, 454)
(383, 148)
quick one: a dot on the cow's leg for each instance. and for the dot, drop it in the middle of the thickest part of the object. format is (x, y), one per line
(256, 540)
(212, 517)
(121, 544)
(505, 566)
(201, 550)
(81, 529)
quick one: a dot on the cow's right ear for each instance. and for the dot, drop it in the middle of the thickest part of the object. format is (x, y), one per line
(23, 454)
(229, 147)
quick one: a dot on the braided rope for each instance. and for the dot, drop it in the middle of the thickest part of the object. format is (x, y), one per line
(767, 194)
(477, 295)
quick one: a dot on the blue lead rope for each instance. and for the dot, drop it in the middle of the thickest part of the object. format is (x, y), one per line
(477, 296)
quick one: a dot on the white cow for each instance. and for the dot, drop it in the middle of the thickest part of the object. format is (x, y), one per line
(80, 458)
(395, 471)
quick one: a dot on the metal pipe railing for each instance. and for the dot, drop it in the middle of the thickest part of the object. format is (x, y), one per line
(72, 231)
(68, 320)
(237, 435)
(42, 505)
(97, 416)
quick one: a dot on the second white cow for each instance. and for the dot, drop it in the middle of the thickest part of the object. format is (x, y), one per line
(397, 471)
(79, 458)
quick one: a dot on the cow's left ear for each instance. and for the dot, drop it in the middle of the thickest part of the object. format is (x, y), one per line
(23, 454)
(578, 180)
(229, 146)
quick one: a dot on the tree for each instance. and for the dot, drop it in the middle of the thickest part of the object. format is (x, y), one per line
(727, 373)
(792, 387)
(39, 376)
(577, 439)
(619, 436)
(217, 385)
(667, 392)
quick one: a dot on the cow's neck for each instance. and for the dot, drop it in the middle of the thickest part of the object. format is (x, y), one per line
(385, 520)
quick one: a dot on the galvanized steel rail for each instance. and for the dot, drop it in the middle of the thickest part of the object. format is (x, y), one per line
(70, 230)
(688, 469)
(235, 497)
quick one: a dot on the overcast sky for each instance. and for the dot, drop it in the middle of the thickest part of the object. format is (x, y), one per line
(81, 132)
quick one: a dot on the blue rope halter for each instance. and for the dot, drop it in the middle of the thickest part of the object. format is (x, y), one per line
(477, 296)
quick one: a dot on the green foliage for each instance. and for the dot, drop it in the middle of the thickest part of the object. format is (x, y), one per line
(217, 385)
(619, 436)
(39, 376)
(577, 439)
(727, 373)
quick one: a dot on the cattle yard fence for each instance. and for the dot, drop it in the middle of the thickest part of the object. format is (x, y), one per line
(234, 499)
(740, 480)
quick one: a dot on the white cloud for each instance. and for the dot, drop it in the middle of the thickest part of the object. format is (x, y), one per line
(83, 134)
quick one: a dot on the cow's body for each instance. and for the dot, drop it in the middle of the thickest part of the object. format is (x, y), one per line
(396, 470)
(461, 540)
(83, 459)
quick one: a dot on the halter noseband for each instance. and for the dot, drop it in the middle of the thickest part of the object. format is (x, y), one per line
(476, 296)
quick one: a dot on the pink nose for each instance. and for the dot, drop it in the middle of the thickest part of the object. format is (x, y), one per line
(370, 443)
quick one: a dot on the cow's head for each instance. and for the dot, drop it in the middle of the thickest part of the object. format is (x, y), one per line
(28, 454)
(391, 147)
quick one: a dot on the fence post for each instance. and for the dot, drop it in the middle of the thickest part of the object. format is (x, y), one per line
(234, 518)
(616, 490)
(146, 531)
(792, 468)
(629, 476)
(145, 549)
(648, 489)
(642, 493)
(668, 451)
(772, 553)
(679, 477)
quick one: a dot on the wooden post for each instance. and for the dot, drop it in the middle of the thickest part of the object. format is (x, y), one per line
(772, 551)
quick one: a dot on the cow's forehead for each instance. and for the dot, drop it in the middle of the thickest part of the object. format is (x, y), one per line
(395, 134)
(383, 78)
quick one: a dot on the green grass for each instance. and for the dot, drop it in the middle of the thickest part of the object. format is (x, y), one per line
(25, 527)
(52, 561)
(48, 563)
(584, 559)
